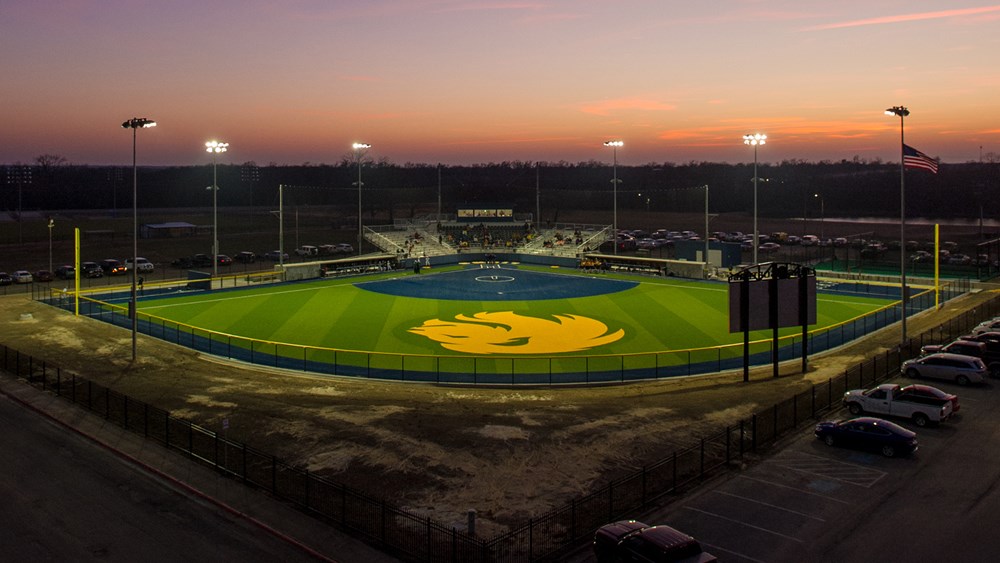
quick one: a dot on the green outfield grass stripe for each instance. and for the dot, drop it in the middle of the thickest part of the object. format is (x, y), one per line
(656, 315)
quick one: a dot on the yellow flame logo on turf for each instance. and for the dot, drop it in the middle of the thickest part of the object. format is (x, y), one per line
(509, 333)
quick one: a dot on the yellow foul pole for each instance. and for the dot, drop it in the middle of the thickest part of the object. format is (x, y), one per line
(76, 271)
(937, 265)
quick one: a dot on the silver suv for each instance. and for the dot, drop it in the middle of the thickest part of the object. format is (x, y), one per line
(963, 370)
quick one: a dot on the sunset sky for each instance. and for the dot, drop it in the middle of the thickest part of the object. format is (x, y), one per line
(462, 81)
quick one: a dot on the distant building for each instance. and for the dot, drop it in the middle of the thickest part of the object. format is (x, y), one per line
(167, 230)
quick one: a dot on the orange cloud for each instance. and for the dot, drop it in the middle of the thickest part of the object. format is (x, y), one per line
(908, 18)
(606, 107)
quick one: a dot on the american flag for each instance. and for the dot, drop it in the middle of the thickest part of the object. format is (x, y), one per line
(912, 158)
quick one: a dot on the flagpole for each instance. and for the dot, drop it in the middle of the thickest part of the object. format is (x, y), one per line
(902, 112)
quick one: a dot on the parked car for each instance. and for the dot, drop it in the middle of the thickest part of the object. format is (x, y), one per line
(224, 260)
(43, 276)
(65, 272)
(141, 265)
(276, 255)
(183, 263)
(91, 270)
(867, 433)
(307, 250)
(960, 259)
(345, 248)
(987, 326)
(770, 247)
(809, 240)
(201, 260)
(22, 276)
(987, 350)
(5, 279)
(629, 540)
(963, 370)
(246, 257)
(113, 267)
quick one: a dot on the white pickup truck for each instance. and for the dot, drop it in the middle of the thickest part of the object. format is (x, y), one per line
(890, 399)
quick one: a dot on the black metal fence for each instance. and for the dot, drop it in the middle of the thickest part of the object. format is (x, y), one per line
(419, 538)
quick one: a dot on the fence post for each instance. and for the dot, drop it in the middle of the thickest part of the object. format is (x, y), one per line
(611, 501)
(742, 434)
(701, 474)
(572, 518)
(728, 440)
(753, 430)
(274, 477)
(673, 487)
(643, 485)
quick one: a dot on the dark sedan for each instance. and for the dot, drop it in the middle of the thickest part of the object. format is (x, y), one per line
(629, 540)
(867, 433)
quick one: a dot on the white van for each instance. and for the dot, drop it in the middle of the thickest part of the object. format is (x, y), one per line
(809, 240)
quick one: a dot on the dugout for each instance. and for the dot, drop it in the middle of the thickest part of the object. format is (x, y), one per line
(643, 265)
(720, 254)
(369, 263)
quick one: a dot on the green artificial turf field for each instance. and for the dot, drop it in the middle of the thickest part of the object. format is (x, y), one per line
(644, 315)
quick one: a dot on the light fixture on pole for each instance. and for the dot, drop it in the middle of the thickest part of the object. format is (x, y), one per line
(614, 181)
(133, 124)
(822, 215)
(755, 139)
(359, 150)
(901, 112)
(215, 147)
(52, 223)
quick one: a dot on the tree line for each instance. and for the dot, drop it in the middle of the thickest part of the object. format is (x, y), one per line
(787, 189)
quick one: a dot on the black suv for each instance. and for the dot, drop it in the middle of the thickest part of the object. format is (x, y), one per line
(91, 270)
(113, 267)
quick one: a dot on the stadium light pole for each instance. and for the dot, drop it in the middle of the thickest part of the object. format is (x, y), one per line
(614, 181)
(901, 112)
(755, 140)
(133, 124)
(359, 150)
(215, 147)
(52, 223)
(822, 214)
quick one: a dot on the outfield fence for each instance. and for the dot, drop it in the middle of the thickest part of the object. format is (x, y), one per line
(112, 307)
(544, 538)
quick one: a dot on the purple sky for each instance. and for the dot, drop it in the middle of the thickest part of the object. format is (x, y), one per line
(462, 81)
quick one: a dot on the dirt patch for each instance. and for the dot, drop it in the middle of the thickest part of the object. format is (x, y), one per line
(440, 451)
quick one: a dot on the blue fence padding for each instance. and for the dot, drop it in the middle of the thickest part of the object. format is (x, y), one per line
(826, 340)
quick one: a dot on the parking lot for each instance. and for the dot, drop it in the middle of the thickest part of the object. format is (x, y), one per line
(806, 501)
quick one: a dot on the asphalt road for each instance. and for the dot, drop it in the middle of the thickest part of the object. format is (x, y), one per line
(67, 497)
(806, 501)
